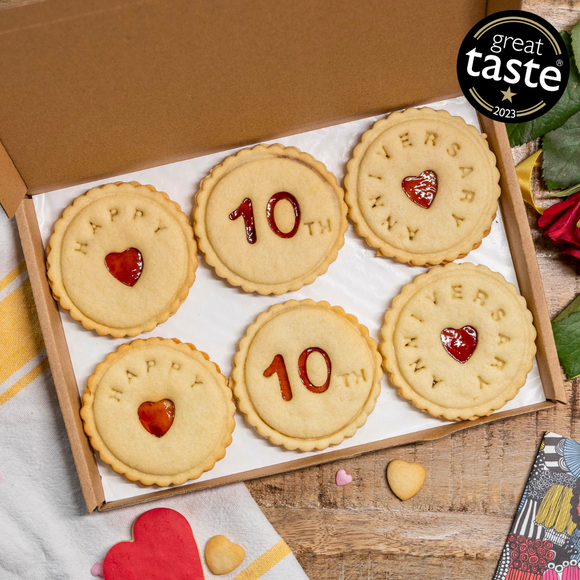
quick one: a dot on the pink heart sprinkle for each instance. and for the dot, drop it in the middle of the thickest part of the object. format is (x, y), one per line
(97, 569)
(343, 478)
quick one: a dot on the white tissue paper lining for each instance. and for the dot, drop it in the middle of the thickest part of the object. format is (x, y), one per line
(215, 315)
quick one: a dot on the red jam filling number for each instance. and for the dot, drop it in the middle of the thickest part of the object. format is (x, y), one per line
(246, 210)
(278, 366)
(421, 189)
(126, 266)
(157, 417)
(459, 343)
(272, 218)
(303, 373)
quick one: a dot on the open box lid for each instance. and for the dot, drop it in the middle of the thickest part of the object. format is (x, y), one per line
(93, 89)
(96, 88)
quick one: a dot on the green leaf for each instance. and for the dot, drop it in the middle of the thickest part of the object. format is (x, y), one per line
(567, 338)
(566, 328)
(575, 36)
(568, 104)
(573, 307)
(519, 133)
(566, 193)
(561, 165)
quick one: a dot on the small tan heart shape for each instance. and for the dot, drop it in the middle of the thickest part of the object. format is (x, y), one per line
(405, 479)
(223, 556)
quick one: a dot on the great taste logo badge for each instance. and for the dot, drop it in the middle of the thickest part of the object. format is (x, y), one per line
(513, 66)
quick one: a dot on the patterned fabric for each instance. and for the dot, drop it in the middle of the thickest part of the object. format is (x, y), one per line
(544, 543)
(528, 558)
(553, 453)
(23, 356)
(525, 523)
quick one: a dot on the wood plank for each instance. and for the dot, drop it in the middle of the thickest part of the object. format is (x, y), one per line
(394, 532)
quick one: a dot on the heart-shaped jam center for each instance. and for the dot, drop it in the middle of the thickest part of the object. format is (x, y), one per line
(421, 189)
(157, 417)
(459, 343)
(125, 266)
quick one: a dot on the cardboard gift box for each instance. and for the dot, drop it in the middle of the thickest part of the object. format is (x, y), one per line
(93, 89)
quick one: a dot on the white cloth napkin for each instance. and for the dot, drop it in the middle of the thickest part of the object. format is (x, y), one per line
(45, 531)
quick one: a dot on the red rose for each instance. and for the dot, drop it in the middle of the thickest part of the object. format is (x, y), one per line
(559, 223)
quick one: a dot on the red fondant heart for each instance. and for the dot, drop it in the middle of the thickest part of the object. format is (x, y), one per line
(459, 344)
(157, 417)
(163, 547)
(125, 266)
(421, 189)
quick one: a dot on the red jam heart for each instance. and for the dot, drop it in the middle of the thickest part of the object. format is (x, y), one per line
(459, 344)
(163, 546)
(125, 266)
(421, 189)
(157, 417)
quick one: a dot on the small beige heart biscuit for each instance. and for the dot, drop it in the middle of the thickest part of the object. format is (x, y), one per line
(223, 556)
(405, 479)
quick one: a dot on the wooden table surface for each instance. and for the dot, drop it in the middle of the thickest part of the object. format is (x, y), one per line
(457, 525)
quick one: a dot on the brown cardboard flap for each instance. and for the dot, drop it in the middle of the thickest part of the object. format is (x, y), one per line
(58, 356)
(12, 188)
(499, 5)
(95, 88)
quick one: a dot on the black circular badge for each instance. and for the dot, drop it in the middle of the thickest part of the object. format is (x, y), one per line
(513, 66)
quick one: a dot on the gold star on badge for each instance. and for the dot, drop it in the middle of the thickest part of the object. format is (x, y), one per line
(507, 95)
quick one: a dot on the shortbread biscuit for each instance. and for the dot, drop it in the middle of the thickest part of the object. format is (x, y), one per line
(158, 411)
(422, 187)
(458, 341)
(122, 258)
(223, 556)
(270, 219)
(306, 375)
(405, 479)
